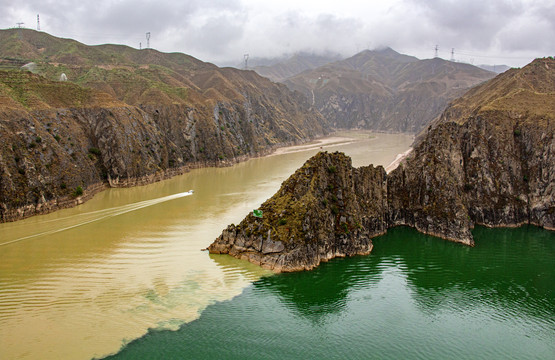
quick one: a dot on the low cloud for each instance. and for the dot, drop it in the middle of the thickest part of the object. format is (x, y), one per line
(224, 30)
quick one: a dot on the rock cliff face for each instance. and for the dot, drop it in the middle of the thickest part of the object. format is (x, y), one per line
(489, 160)
(325, 210)
(61, 143)
(127, 117)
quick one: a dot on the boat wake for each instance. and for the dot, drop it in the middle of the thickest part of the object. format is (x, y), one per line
(93, 216)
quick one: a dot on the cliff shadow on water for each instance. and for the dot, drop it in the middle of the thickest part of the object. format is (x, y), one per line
(438, 273)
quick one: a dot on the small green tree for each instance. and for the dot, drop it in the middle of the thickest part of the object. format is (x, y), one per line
(78, 191)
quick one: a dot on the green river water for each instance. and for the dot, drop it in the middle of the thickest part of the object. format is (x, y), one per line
(124, 274)
(415, 297)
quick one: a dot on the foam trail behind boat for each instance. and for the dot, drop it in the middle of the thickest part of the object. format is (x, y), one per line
(101, 215)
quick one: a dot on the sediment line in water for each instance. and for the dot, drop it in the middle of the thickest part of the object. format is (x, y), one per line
(88, 290)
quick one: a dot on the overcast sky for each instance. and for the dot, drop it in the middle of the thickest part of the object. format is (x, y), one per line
(221, 31)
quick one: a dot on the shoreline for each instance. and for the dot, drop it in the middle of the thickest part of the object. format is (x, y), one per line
(333, 139)
(60, 203)
(395, 163)
(314, 144)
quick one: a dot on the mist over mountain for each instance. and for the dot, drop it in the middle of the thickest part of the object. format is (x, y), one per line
(498, 69)
(280, 69)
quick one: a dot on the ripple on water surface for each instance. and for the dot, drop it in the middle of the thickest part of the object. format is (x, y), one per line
(414, 297)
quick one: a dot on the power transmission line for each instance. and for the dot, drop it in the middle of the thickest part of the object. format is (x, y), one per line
(38, 23)
(472, 56)
(19, 35)
(493, 57)
(148, 40)
(246, 57)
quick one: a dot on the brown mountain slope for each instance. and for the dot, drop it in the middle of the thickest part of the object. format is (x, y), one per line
(525, 91)
(385, 90)
(489, 160)
(127, 117)
(133, 76)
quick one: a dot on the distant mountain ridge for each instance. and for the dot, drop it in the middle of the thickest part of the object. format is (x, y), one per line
(279, 70)
(385, 90)
(498, 69)
(376, 89)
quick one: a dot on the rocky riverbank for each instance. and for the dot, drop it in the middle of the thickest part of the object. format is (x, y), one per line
(325, 210)
(62, 143)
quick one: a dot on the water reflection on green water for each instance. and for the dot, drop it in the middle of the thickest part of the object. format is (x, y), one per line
(414, 297)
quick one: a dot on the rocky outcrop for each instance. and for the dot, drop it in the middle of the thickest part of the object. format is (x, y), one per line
(488, 160)
(326, 209)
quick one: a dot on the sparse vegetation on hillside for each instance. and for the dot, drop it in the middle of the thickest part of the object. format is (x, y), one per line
(488, 161)
(127, 117)
(385, 90)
